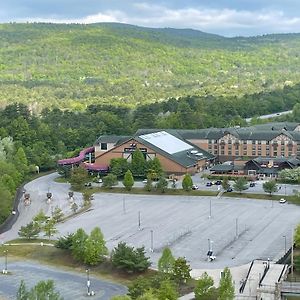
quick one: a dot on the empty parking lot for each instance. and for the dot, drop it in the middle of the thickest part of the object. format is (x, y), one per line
(237, 230)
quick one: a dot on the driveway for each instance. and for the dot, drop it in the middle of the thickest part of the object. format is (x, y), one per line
(70, 285)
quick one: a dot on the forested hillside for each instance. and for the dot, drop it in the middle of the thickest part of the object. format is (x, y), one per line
(72, 66)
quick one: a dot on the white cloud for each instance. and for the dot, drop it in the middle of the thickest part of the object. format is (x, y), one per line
(223, 21)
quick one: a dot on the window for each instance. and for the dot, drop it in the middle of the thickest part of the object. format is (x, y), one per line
(253, 142)
(209, 141)
(268, 142)
(237, 153)
(253, 153)
(275, 153)
(229, 142)
(236, 147)
(259, 153)
(245, 142)
(259, 142)
(103, 146)
(222, 152)
(229, 152)
(282, 142)
(244, 152)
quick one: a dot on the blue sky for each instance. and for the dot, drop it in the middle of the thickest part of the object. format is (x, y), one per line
(225, 17)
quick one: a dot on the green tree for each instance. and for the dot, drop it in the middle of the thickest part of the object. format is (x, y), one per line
(78, 244)
(240, 185)
(270, 187)
(138, 287)
(44, 290)
(49, 228)
(225, 184)
(204, 288)
(148, 186)
(128, 181)
(138, 164)
(74, 207)
(78, 178)
(20, 161)
(167, 291)
(121, 297)
(154, 168)
(166, 261)
(109, 181)
(65, 242)
(129, 259)
(297, 236)
(148, 295)
(226, 287)
(30, 231)
(181, 270)
(95, 248)
(187, 182)
(57, 214)
(162, 184)
(119, 166)
(40, 219)
(22, 293)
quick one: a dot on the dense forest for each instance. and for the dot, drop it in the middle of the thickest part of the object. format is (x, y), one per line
(73, 66)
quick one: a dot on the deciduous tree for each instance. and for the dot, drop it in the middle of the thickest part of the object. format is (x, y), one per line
(187, 182)
(270, 187)
(226, 287)
(128, 181)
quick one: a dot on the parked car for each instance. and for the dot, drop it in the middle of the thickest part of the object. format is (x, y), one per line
(252, 184)
(209, 183)
(229, 190)
(218, 182)
(282, 200)
(88, 184)
(99, 180)
(145, 180)
(195, 187)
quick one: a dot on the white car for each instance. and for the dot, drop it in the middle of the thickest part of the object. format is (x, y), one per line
(282, 200)
(145, 180)
(195, 187)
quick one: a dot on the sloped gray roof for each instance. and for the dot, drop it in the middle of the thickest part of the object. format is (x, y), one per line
(115, 139)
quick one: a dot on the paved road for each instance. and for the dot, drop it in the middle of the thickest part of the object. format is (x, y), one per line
(271, 115)
(70, 285)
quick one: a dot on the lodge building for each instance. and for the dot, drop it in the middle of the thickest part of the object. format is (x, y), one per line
(189, 151)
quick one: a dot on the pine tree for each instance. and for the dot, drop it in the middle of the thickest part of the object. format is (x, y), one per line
(226, 287)
(138, 164)
(167, 291)
(78, 244)
(166, 261)
(128, 181)
(204, 288)
(22, 293)
(95, 248)
(187, 182)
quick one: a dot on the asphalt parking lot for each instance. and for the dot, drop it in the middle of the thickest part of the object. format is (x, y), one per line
(237, 230)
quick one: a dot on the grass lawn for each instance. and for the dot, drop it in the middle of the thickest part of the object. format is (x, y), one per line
(61, 258)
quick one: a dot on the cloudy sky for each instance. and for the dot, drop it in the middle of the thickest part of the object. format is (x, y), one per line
(225, 17)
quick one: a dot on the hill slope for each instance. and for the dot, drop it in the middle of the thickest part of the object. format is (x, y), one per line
(75, 65)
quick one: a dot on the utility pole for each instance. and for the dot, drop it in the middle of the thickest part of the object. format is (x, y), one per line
(124, 206)
(236, 228)
(209, 209)
(151, 238)
(292, 254)
(139, 220)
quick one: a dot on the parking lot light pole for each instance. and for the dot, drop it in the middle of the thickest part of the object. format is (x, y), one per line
(88, 282)
(5, 265)
(284, 243)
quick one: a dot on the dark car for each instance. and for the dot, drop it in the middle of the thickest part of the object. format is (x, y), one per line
(209, 183)
(252, 184)
(229, 190)
(218, 182)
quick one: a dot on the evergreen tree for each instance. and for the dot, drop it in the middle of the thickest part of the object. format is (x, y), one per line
(204, 288)
(20, 161)
(167, 291)
(162, 184)
(138, 164)
(30, 231)
(154, 168)
(166, 261)
(95, 248)
(226, 287)
(22, 293)
(49, 228)
(148, 186)
(187, 182)
(109, 181)
(40, 219)
(57, 214)
(44, 290)
(78, 244)
(240, 185)
(181, 270)
(128, 181)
